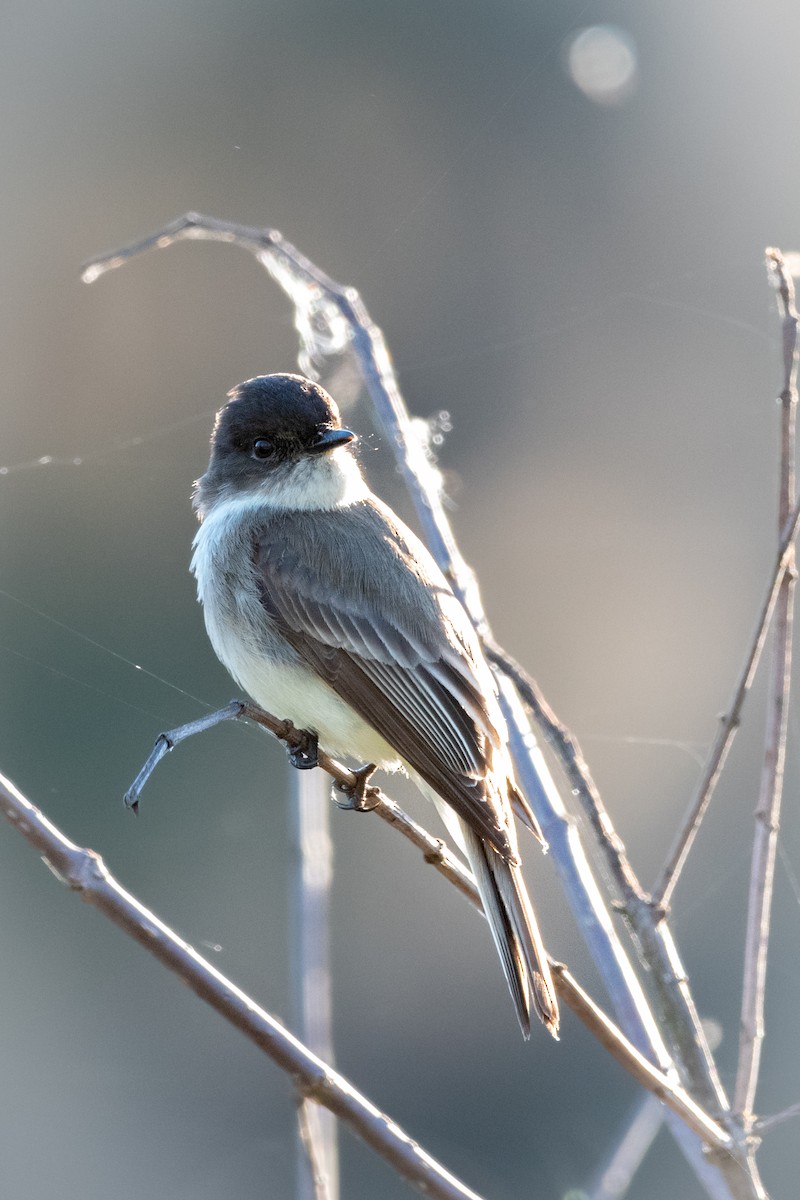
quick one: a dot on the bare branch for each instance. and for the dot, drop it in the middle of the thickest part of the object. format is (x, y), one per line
(765, 842)
(613, 1180)
(86, 873)
(674, 1003)
(619, 1170)
(787, 1114)
(315, 1178)
(638, 1066)
(672, 993)
(729, 723)
(328, 317)
(664, 1086)
(575, 766)
(309, 952)
(433, 849)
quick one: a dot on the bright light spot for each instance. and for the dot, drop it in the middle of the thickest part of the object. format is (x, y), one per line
(791, 261)
(713, 1031)
(601, 61)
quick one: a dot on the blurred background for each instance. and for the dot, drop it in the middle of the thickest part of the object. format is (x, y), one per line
(557, 213)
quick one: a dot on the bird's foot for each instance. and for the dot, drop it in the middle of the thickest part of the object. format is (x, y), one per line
(359, 794)
(303, 754)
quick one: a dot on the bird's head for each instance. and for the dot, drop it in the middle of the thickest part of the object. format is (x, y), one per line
(279, 439)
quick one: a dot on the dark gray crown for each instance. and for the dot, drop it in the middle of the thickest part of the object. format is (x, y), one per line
(290, 415)
(287, 409)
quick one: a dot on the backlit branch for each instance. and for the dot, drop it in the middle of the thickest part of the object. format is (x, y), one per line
(672, 997)
(85, 873)
(768, 812)
(437, 854)
(331, 319)
(729, 723)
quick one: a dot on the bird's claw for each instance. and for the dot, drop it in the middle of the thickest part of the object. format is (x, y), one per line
(304, 753)
(358, 793)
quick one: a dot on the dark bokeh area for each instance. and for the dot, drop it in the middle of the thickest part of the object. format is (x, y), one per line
(580, 285)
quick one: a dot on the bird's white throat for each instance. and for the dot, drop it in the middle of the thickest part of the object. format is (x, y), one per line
(318, 483)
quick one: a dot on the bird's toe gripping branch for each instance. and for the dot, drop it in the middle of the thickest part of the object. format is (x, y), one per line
(304, 750)
(360, 796)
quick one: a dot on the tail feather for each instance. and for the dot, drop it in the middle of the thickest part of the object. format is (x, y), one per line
(515, 932)
(512, 922)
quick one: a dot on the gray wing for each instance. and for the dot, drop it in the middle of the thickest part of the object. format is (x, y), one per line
(365, 606)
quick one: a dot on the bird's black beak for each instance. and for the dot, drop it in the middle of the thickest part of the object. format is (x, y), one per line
(329, 439)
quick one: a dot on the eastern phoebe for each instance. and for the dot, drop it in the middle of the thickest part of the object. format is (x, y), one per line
(330, 612)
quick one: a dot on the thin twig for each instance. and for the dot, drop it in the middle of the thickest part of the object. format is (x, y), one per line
(327, 316)
(312, 876)
(737, 1174)
(575, 766)
(313, 1174)
(619, 1170)
(86, 873)
(638, 1066)
(433, 849)
(672, 996)
(765, 842)
(729, 723)
(436, 853)
(613, 1180)
(765, 1123)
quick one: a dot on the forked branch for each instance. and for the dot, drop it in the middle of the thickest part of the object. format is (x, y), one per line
(85, 873)
(331, 318)
(672, 997)
(768, 812)
(729, 723)
(437, 854)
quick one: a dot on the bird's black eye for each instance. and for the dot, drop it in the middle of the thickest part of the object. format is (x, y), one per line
(263, 448)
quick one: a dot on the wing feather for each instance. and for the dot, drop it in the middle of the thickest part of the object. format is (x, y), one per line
(387, 634)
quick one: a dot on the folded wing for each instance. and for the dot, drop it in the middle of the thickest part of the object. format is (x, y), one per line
(387, 634)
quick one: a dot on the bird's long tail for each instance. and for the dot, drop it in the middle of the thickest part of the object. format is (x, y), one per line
(515, 932)
(512, 921)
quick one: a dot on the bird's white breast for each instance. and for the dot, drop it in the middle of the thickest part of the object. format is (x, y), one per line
(256, 655)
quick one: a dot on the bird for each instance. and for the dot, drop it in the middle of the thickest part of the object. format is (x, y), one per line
(330, 612)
